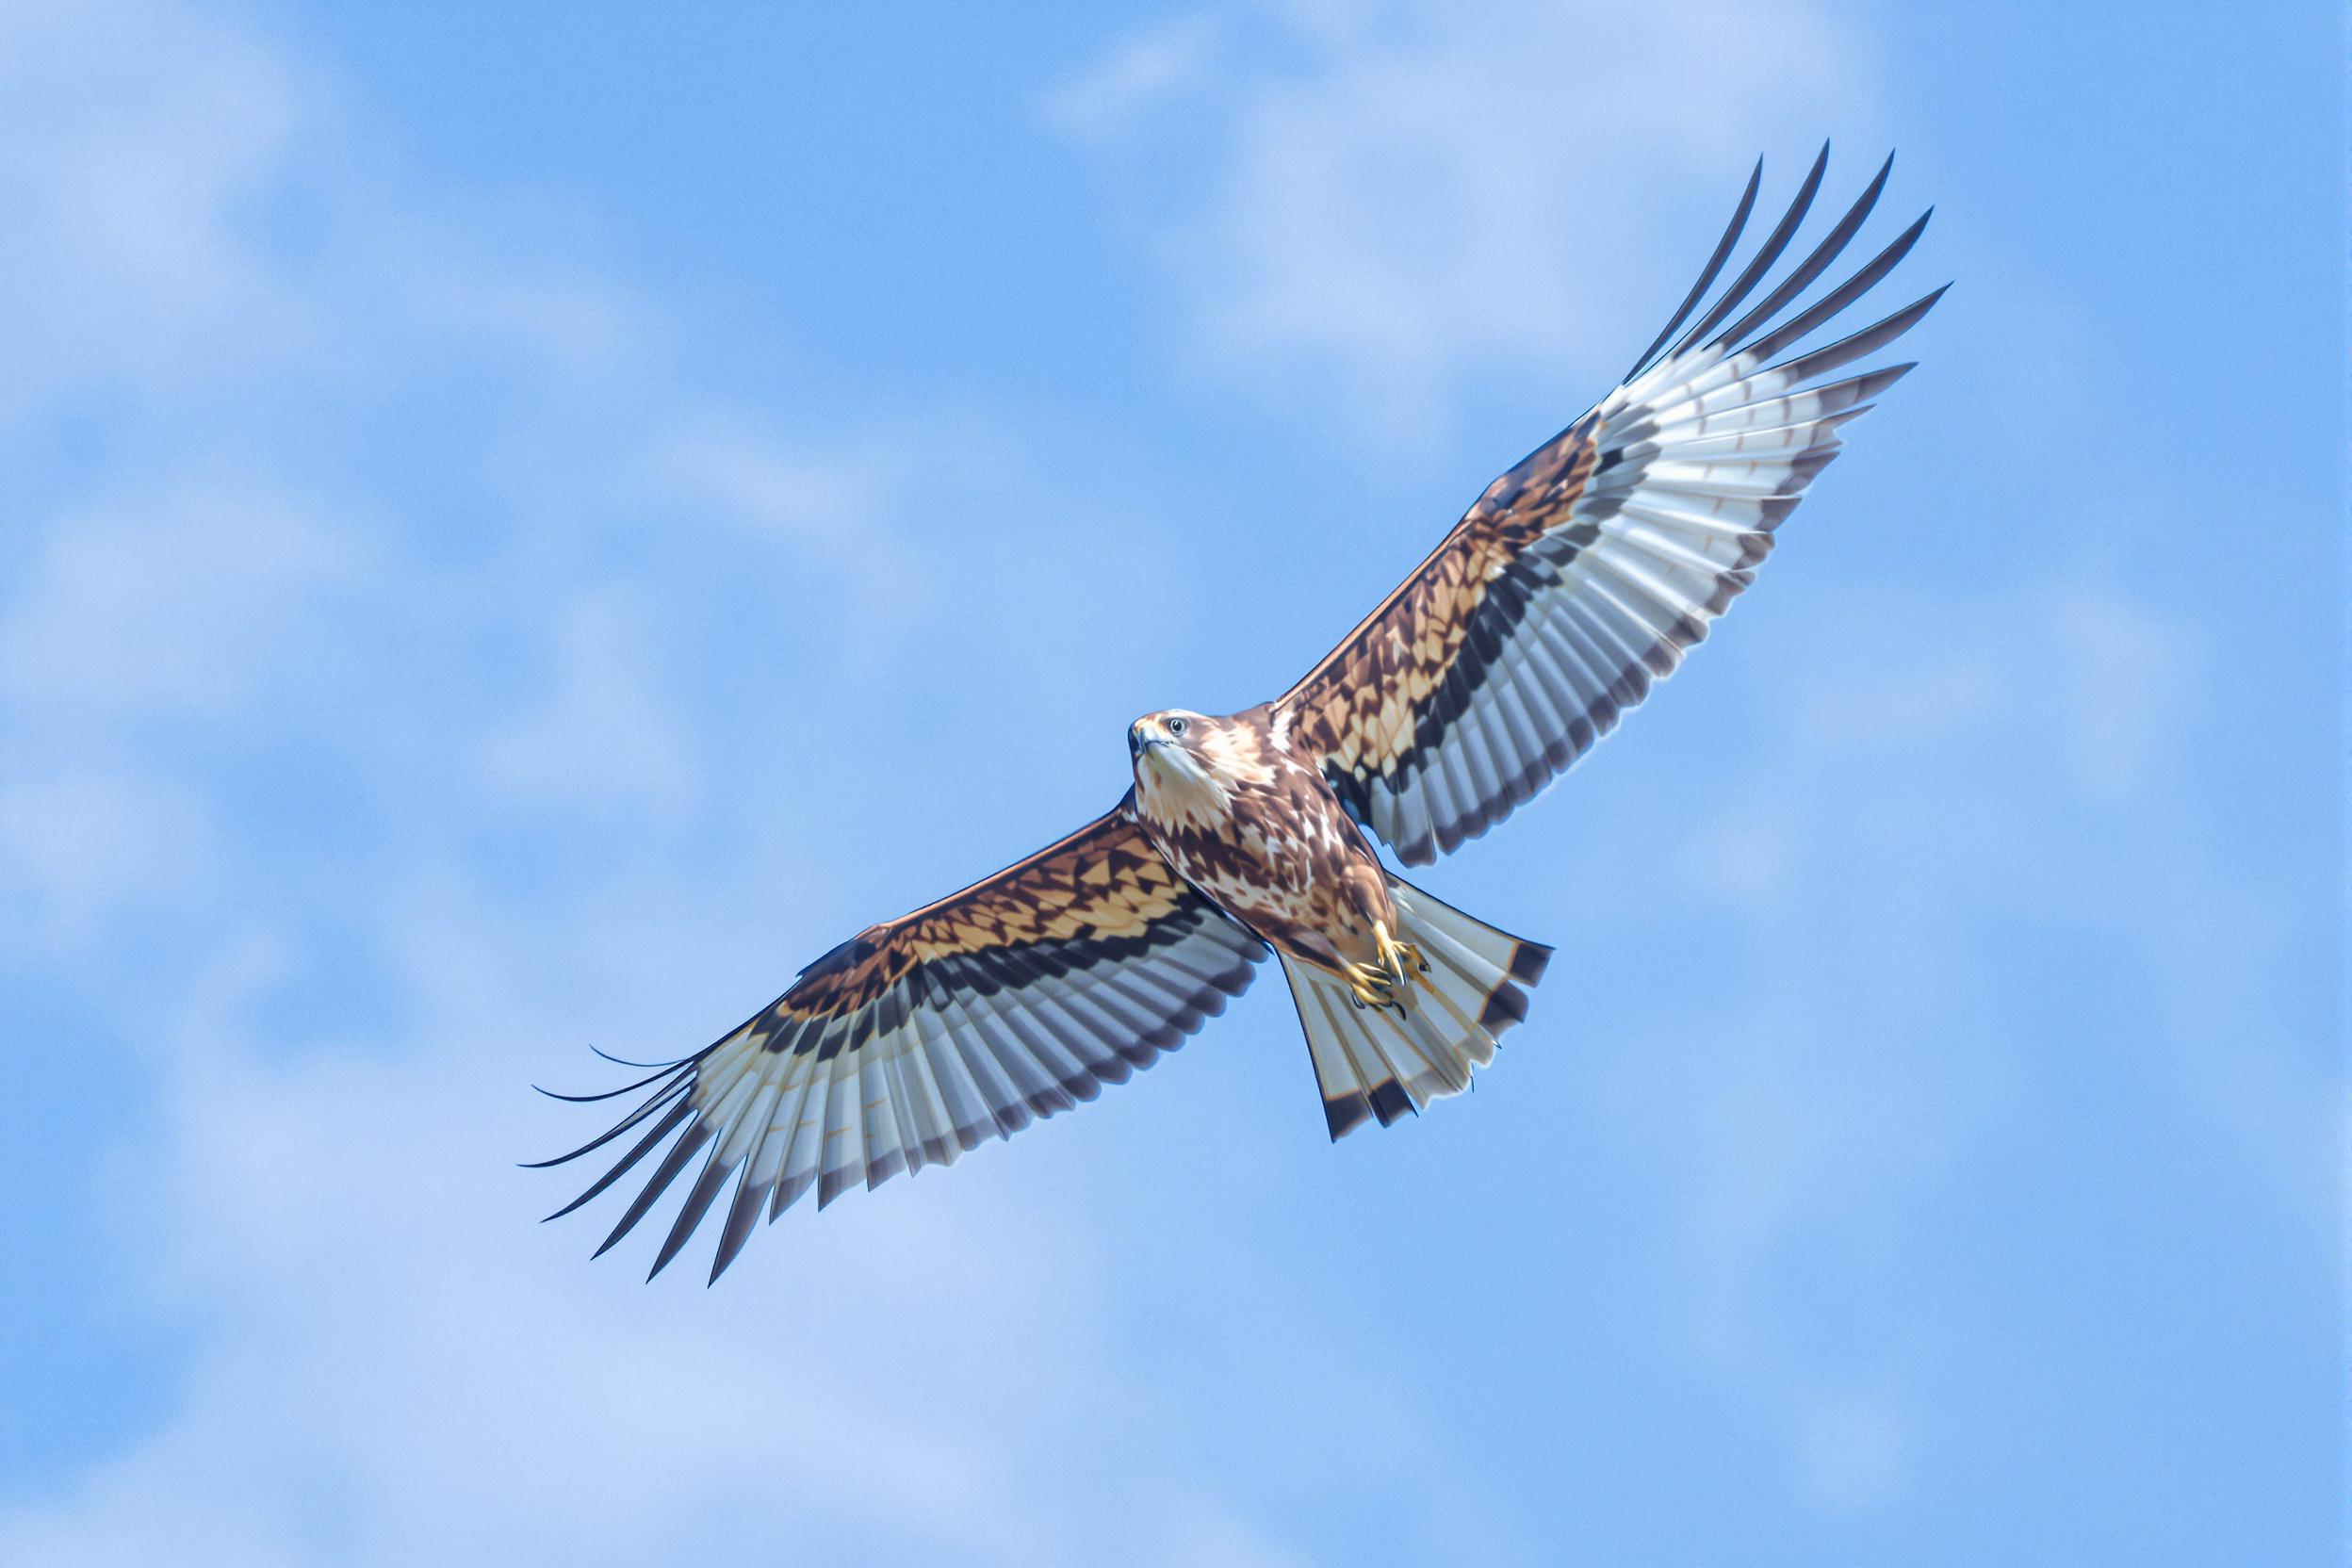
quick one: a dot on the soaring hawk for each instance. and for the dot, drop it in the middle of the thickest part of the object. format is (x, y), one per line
(1569, 589)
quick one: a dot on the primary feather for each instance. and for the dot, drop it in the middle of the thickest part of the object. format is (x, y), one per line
(1581, 577)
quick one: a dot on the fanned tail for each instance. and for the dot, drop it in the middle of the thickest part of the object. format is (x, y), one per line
(1383, 1062)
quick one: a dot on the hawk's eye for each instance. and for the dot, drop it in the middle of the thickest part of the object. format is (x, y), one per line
(1175, 727)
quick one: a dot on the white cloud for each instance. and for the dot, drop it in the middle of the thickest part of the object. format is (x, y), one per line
(397, 1367)
(135, 138)
(1854, 1450)
(1141, 74)
(406, 1374)
(165, 610)
(1211, 1538)
(1435, 192)
(2137, 688)
(386, 1362)
(172, 602)
(793, 495)
(602, 736)
(834, 509)
(81, 846)
(1995, 771)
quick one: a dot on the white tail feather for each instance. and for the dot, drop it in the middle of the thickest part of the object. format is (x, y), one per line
(1383, 1062)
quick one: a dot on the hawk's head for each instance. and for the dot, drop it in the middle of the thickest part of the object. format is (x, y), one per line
(1177, 730)
(1187, 764)
(1176, 773)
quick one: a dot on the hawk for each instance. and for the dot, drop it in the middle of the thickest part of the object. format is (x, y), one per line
(1572, 586)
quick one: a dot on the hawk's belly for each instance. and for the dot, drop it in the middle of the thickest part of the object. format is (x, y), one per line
(1280, 857)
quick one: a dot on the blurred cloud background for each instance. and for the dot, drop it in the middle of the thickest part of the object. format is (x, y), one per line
(524, 529)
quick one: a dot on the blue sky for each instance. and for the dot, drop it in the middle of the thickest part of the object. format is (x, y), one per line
(522, 536)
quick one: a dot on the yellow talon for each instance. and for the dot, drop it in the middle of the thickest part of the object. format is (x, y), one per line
(1374, 987)
(1418, 973)
(1388, 981)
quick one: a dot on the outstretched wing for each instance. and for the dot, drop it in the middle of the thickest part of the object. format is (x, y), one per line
(913, 1041)
(1580, 577)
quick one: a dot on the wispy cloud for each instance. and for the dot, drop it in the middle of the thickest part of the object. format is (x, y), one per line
(600, 734)
(1937, 784)
(84, 844)
(257, 616)
(175, 600)
(1420, 195)
(411, 665)
(1143, 73)
(142, 139)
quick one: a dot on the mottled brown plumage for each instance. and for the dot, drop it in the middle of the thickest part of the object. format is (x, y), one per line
(1104, 887)
(1255, 826)
(1363, 706)
(1573, 584)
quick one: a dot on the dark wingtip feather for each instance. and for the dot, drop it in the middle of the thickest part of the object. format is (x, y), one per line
(1707, 276)
(667, 1125)
(1837, 299)
(682, 1150)
(607, 1094)
(655, 1101)
(1854, 345)
(791, 1189)
(698, 1199)
(1832, 246)
(663, 1130)
(1765, 257)
(623, 1061)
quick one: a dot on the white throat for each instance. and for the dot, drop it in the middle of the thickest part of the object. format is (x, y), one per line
(1176, 788)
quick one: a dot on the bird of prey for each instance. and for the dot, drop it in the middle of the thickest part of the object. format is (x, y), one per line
(1572, 586)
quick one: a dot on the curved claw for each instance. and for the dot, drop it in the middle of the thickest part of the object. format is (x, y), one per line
(1374, 985)
(1395, 954)
(1388, 981)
